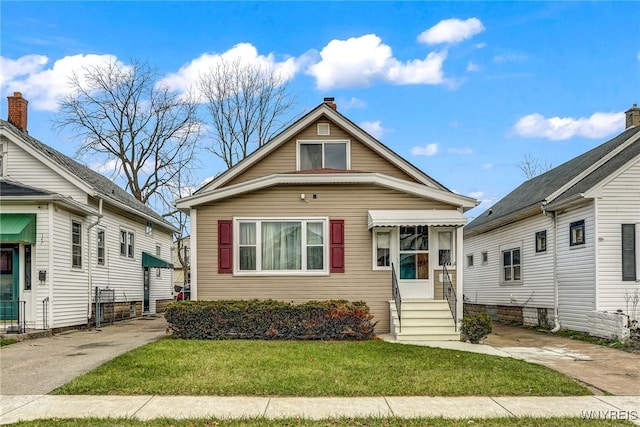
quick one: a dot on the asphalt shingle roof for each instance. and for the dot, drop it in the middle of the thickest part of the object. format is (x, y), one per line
(536, 190)
(100, 183)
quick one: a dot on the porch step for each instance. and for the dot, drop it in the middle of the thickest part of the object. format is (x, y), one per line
(424, 320)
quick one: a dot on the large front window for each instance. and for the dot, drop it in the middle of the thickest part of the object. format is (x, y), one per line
(414, 252)
(281, 245)
(318, 155)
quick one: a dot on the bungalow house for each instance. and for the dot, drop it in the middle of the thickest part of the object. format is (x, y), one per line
(325, 211)
(69, 234)
(562, 249)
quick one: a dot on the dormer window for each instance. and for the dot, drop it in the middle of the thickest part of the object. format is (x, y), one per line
(323, 155)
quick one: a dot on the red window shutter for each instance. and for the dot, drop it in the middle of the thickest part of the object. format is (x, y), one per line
(336, 248)
(225, 246)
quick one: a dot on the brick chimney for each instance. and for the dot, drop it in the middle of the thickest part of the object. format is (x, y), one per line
(18, 110)
(633, 116)
(330, 103)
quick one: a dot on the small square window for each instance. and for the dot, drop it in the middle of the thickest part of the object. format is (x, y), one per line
(576, 236)
(541, 241)
(469, 260)
(485, 257)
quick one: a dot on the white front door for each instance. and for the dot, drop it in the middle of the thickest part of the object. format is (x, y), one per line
(414, 264)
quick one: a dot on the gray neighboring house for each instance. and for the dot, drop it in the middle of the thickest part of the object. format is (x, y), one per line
(563, 249)
(65, 231)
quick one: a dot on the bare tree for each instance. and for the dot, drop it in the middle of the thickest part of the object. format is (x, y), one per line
(122, 114)
(247, 105)
(531, 166)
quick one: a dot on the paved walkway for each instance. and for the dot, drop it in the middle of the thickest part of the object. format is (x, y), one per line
(38, 366)
(15, 408)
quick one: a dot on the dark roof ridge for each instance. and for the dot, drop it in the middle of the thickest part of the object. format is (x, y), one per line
(100, 183)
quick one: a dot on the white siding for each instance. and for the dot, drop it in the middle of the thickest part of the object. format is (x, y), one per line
(39, 261)
(576, 270)
(619, 204)
(482, 281)
(124, 274)
(24, 168)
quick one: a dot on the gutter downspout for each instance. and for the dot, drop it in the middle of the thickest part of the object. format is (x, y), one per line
(556, 328)
(90, 281)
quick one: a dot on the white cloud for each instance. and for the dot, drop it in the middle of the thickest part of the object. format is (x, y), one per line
(451, 31)
(187, 76)
(348, 104)
(638, 56)
(487, 166)
(374, 128)
(427, 150)
(358, 61)
(598, 125)
(510, 57)
(472, 66)
(461, 151)
(480, 45)
(476, 194)
(44, 86)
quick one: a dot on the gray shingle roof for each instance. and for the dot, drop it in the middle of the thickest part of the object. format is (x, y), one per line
(100, 183)
(536, 190)
(9, 188)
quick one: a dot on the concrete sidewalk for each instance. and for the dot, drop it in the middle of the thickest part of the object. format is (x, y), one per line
(16, 408)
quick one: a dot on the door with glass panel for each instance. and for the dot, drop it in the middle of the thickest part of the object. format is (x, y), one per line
(413, 262)
(9, 282)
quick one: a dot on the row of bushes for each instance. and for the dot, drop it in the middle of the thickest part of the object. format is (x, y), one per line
(271, 319)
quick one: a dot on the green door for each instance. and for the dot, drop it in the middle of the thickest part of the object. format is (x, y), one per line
(9, 278)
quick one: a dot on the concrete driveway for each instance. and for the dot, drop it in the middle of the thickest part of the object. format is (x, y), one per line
(40, 365)
(604, 369)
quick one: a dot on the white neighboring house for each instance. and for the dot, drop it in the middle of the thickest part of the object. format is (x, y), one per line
(564, 247)
(66, 231)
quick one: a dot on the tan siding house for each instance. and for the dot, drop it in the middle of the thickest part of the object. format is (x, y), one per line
(324, 211)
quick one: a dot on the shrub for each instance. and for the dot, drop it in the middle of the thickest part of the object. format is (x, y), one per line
(475, 327)
(270, 319)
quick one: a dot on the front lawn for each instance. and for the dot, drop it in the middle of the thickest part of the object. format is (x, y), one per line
(316, 368)
(332, 422)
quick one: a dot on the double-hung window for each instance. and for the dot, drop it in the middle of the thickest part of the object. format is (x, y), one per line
(576, 233)
(100, 245)
(76, 244)
(382, 249)
(323, 154)
(288, 245)
(511, 265)
(127, 240)
(629, 253)
(414, 252)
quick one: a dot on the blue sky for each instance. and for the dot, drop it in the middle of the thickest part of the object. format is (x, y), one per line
(463, 90)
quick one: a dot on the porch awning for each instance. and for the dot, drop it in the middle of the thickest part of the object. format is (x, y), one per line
(153, 261)
(16, 228)
(433, 217)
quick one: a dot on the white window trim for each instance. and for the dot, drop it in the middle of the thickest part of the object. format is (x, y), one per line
(104, 243)
(374, 247)
(3, 158)
(323, 141)
(436, 231)
(258, 271)
(511, 247)
(159, 255)
(126, 247)
(79, 221)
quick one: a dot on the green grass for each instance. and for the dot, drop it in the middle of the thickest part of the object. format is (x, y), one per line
(316, 368)
(369, 422)
(7, 341)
